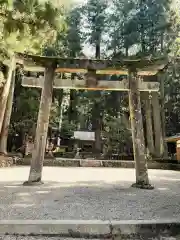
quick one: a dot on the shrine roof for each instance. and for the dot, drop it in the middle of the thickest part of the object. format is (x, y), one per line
(145, 66)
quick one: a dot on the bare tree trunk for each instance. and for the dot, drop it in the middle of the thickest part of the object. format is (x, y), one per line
(97, 111)
(98, 141)
(127, 51)
(149, 124)
(5, 93)
(97, 124)
(7, 117)
(72, 112)
(159, 147)
(42, 129)
(142, 180)
(163, 118)
(61, 109)
(162, 42)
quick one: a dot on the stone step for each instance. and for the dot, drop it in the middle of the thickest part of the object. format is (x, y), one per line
(92, 229)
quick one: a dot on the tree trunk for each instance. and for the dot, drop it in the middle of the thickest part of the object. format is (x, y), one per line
(7, 117)
(72, 112)
(158, 139)
(97, 123)
(149, 124)
(5, 93)
(162, 42)
(142, 180)
(163, 118)
(97, 111)
(42, 129)
(127, 51)
(98, 50)
(61, 110)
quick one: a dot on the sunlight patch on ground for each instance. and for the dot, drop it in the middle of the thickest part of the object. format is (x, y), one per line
(42, 192)
(22, 205)
(23, 194)
(163, 189)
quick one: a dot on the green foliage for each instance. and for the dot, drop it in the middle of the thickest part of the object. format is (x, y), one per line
(95, 15)
(122, 28)
(26, 25)
(25, 107)
(68, 42)
(172, 97)
(67, 128)
(140, 27)
(117, 138)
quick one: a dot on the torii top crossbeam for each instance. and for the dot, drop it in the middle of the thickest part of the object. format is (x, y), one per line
(145, 66)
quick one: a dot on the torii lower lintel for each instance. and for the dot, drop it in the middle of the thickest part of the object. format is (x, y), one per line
(81, 84)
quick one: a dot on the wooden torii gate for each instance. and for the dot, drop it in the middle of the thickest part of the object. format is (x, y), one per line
(92, 70)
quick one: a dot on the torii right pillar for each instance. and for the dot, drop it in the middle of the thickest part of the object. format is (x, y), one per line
(142, 180)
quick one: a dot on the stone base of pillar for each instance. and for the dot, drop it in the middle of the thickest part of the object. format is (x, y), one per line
(142, 186)
(29, 183)
(3, 154)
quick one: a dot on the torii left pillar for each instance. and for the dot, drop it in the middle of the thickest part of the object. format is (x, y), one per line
(42, 128)
(142, 180)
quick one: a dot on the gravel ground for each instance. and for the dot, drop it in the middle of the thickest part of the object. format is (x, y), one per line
(88, 193)
(57, 238)
(39, 238)
(44, 238)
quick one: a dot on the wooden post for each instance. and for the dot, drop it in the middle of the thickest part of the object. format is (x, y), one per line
(42, 128)
(149, 124)
(142, 180)
(158, 139)
(7, 117)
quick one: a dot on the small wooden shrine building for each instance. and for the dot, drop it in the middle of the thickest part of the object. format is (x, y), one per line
(93, 70)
